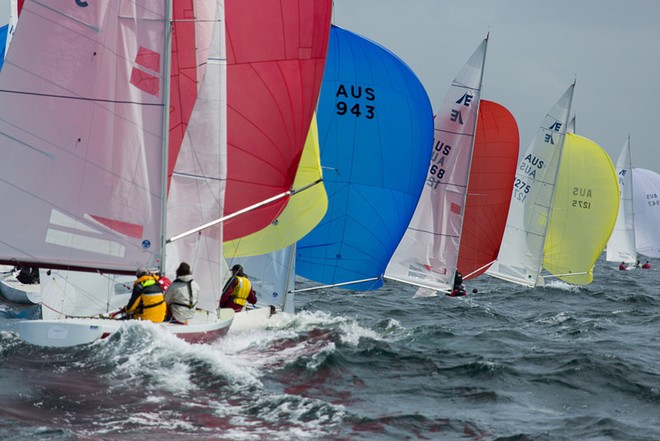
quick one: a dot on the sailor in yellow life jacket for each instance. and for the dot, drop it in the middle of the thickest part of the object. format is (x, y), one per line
(147, 301)
(238, 291)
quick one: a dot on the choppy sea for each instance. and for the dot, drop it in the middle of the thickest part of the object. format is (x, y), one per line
(507, 363)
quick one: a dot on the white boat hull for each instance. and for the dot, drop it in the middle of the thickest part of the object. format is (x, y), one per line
(21, 293)
(255, 318)
(203, 328)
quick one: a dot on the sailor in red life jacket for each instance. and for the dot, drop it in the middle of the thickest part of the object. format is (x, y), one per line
(647, 265)
(237, 291)
(623, 266)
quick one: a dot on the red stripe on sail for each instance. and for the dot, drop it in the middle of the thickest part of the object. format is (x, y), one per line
(492, 172)
(148, 59)
(125, 228)
(145, 81)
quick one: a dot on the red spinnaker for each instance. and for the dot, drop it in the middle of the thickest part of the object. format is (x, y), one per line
(276, 54)
(492, 172)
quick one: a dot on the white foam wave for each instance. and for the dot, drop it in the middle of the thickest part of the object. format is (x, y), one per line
(560, 284)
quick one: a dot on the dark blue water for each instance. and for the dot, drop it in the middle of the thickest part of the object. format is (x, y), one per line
(507, 363)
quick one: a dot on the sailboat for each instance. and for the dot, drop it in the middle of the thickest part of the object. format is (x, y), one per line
(564, 205)
(492, 172)
(621, 246)
(138, 86)
(427, 255)
(375, 131)
(646, 200)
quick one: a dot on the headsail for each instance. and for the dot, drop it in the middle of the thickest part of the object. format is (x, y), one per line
(647, 211)
(428, 253)
(583, 213)
(375, 130)
(493, 169)
(276, 53)
(621, 246)
(521, 255)
(197, 188)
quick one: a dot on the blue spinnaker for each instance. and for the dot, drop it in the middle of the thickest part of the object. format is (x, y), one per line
(376, 135)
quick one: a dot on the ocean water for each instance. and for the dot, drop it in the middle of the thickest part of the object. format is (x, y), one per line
(506, 363)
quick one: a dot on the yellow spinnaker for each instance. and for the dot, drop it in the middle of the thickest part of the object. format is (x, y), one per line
(303, 212)
(583, 212)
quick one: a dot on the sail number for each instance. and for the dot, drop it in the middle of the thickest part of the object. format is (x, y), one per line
(582, 192)
(356, 109)
(581, 204)
(520, 189)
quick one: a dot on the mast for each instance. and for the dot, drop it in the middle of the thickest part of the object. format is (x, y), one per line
(167, 79)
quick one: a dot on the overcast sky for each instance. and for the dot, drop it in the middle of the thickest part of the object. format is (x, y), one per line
(535, 51)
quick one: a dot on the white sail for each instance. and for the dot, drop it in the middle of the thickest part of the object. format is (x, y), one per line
(428, 252)
(621, 246)
(521, 255)
(647, 211)
(87, 118)
(198, 183)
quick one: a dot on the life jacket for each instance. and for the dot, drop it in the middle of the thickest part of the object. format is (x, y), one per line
(164, 283)
(151, 305)
(190, 304)
(242, 290)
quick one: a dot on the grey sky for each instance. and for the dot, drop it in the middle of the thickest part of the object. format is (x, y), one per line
(535, 50)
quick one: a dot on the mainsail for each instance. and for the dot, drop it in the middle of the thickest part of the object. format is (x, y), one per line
(493, 169)
(275, 53)
(428, 253)
(621, 246)
(375, 130)
(583, 212)
(521, 255)
(87, 120)
(647, 211)
(93, 173)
